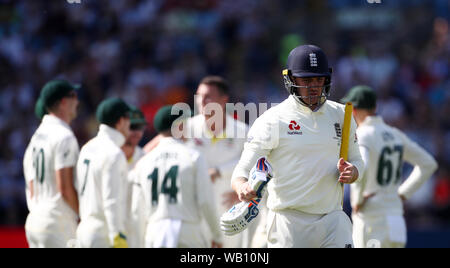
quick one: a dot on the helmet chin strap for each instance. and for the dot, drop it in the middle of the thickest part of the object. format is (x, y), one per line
(302, 99)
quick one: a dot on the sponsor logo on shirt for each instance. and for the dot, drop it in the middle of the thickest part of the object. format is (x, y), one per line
(295, 128)
(337, 128)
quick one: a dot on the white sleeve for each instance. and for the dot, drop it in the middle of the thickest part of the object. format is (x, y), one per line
(424, 166)
(354, 155)
(66, 153)
(137, 218)
(114, 179)
(357, 188)
(206, 199)
(262, 138)
(28, 172)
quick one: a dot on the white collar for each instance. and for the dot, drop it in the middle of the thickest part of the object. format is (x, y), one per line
(303, 109)
(165, 140)
(52, 119)
(112, 134)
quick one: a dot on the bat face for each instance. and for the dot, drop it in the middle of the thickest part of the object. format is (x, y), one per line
(346, 130)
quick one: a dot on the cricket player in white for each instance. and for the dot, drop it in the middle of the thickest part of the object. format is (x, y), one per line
(49, 163)
(177, 191)
(131, 148)
(102, 179)
(301, 138)
(28, 164)
(377, 199)
(133, 152)
(220, 138)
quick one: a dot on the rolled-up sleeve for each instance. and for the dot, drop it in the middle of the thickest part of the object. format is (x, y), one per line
(114, 181)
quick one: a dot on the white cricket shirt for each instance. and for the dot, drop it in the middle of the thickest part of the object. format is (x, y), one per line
(387, 148)
(303, 148)
(102, 181)
(222, 153)
(175, 185)
(52, 147)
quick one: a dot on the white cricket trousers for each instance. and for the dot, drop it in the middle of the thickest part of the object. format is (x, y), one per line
(189, 235)
(44, 230)
(379, 231)
(295, 229)
(93, 233)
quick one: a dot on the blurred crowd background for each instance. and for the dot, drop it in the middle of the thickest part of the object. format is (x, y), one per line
(155, 52)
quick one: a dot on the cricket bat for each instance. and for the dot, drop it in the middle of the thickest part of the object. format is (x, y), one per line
(345, 137)
(346, 130)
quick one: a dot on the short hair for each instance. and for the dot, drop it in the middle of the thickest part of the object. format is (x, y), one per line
(218, 81)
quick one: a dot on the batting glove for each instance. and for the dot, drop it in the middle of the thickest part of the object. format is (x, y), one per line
(240, 215)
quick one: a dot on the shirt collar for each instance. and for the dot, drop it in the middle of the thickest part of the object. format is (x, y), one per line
(112, 134)
(306, 110)
(165, 140)
(372, 119)
(52, 119)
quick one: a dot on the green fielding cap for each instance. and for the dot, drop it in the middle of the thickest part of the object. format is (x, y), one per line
(164, 118)
(55, 90)
(39, 109)
(362, 97)
(137, 116)
(111, 110)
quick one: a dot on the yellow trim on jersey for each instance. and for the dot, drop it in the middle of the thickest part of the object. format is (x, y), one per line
(215, 139)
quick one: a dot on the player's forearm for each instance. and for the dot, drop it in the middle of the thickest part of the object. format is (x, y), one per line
(31, 187)
(71, 198)
(419, 175)
(64, 180)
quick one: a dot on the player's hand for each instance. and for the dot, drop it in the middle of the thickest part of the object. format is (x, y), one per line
(348, 173)
(120, 241)
(245, 192)
(214, 174)
(230, 199)
(260, 175)
(215, 244)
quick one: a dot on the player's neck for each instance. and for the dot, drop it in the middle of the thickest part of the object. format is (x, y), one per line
(63, 116)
